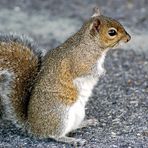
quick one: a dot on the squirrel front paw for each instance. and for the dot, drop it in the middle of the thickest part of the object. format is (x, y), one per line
(89, 122)
(79, 142)
(72, 141)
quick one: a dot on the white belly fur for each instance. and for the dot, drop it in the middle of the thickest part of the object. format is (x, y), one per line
(85, 85)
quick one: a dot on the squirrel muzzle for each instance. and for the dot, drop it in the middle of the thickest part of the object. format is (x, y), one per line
(126, 38)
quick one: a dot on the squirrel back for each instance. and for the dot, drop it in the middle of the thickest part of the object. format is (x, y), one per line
(20, 61)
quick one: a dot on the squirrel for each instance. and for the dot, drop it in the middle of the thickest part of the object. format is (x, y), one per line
(47, 94)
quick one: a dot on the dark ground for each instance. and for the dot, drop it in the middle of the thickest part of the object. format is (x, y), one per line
(120, 100)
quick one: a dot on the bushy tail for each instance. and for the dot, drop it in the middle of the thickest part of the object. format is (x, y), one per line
(20, 61)
(5, 92)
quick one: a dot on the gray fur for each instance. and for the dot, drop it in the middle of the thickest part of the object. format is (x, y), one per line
(5, 91)
(7, 77)
(24, 40)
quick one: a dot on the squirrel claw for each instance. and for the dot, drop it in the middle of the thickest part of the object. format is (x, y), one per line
(79, 142)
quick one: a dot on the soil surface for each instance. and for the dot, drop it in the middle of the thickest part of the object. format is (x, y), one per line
(120, 99)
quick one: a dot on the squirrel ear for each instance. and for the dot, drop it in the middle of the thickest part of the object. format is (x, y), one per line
(95, 26)
(96, 12)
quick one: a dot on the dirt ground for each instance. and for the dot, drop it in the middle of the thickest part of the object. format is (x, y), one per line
(120, 100)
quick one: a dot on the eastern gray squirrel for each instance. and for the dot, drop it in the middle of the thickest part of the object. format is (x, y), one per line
(47, 94)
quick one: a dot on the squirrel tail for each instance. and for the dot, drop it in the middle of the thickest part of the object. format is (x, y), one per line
(20, 62)
(5, 91)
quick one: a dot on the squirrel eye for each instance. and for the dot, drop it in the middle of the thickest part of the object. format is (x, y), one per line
(112, 32)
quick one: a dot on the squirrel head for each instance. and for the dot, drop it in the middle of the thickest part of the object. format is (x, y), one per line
(107, 31)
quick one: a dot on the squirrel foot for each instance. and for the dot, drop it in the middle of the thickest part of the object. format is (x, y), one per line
(72, 141)
(89, 122)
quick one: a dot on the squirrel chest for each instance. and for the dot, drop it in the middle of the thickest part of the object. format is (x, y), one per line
(85, 85)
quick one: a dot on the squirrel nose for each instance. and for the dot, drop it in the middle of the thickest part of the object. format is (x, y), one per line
(127, 38)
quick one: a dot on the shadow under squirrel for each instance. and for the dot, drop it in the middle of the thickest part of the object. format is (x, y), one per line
(47, 95)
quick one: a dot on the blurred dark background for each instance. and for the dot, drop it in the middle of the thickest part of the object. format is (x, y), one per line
(52, 21)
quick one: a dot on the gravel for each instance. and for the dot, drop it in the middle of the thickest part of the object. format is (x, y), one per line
(119, 102)
(120, 99)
